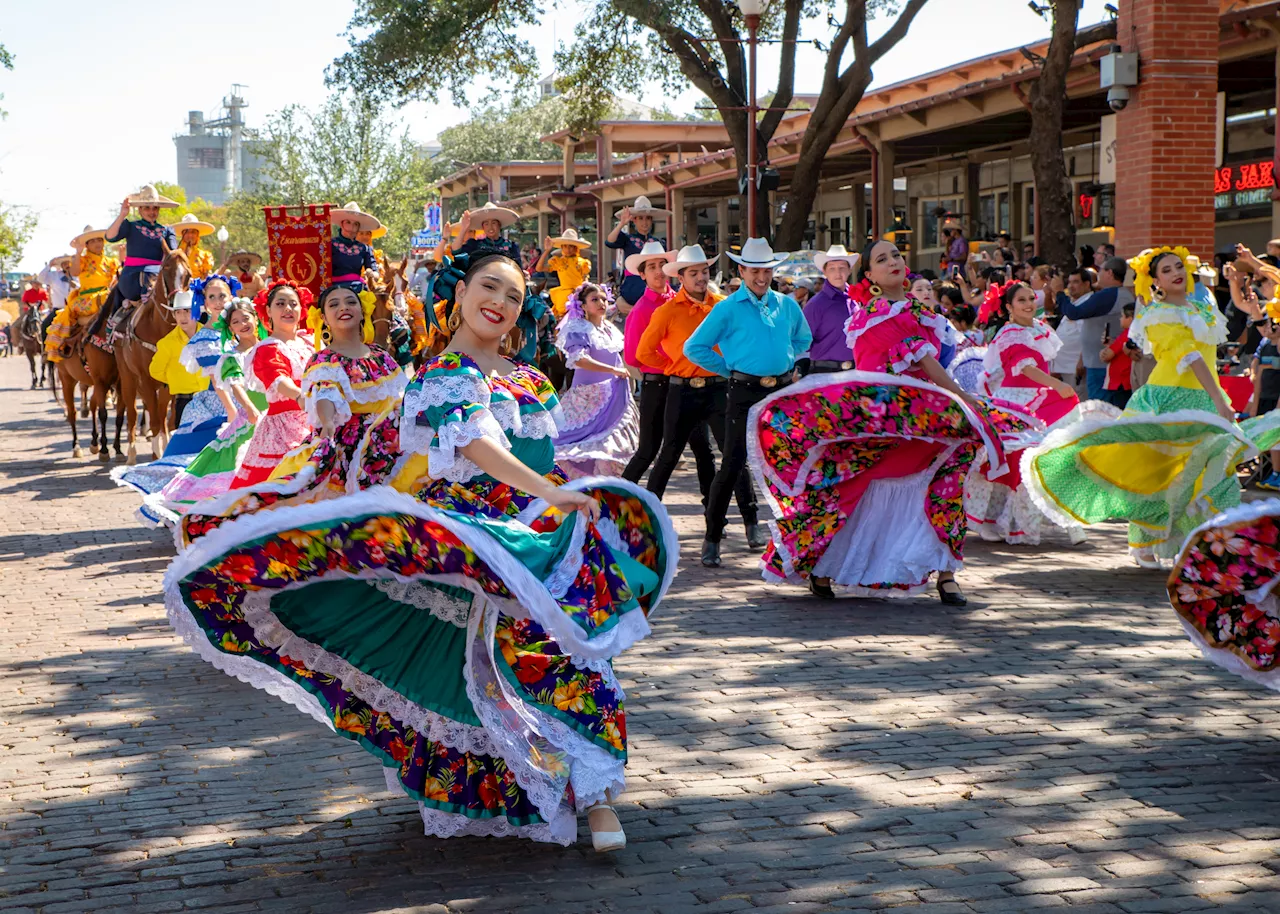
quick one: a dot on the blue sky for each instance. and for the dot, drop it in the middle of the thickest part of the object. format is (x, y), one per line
(89, 121)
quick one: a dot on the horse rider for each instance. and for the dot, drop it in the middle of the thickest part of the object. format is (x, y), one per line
(145, 244)
(96, 270)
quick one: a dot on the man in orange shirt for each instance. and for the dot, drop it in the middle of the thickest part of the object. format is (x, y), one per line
(695, 396)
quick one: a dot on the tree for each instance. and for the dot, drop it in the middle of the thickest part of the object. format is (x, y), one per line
(345, 151)
(619, 45)
(6, 61)
(502, 133)
(1048, 99)
(17, 224)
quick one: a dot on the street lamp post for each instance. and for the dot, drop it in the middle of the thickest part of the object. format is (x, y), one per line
(222, 237)
(751, 10)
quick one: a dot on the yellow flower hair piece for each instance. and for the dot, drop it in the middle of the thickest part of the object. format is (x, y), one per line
(1142, 283)
(315, 316)
(1273, 309)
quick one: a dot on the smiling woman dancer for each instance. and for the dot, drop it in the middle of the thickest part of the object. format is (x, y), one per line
(865, 469)
(462, 636)
(1168, 462)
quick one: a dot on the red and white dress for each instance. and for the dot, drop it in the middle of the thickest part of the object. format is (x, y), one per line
(1001, 509)
(285, 425)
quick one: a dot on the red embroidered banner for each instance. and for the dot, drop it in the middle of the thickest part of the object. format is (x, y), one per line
(298, 239)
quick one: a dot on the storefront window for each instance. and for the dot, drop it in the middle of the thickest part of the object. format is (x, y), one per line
(1002, 223)
(986, 217)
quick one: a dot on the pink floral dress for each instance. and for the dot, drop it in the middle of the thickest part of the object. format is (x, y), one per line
(285, 424)
(865, 469)
(1001, 508)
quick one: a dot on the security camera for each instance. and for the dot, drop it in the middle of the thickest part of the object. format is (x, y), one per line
(1118, 98)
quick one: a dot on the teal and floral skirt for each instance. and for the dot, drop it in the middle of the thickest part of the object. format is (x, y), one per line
(470, 654)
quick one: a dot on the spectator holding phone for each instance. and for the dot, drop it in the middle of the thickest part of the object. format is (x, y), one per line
(1265, 369)
(1117, 356)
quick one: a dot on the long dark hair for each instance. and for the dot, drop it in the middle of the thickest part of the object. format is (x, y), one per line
(1007, 292)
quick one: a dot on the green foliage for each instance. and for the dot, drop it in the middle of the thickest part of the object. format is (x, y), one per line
(341, 152)
(422, 48)
(503, 133)
(16, 226)
(6, 61)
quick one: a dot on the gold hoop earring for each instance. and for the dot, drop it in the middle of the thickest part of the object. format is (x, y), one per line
(875, 291)
(454, 320)
(1157, 294)
(325, 336)
(512, 342)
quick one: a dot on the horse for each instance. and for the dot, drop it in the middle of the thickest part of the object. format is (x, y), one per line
(30, 342)
(85, 363)
(140, 331)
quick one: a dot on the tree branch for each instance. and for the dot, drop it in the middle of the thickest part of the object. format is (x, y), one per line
(897, 31)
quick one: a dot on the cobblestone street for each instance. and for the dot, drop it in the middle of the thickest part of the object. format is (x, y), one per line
(1057, 743)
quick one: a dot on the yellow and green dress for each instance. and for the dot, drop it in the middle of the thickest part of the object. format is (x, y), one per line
(1168, 462)
(97, 272)
(573, 271)
(200, 261)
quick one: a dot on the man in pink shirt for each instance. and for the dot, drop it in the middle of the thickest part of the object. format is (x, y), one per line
(653, 383)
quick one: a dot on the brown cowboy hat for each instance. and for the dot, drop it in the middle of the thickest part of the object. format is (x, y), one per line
(256, 259)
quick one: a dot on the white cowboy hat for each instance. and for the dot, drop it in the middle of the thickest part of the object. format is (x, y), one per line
(652, 250)
(835, 252)
(642, 207)
(189, 221)
(691, 256)
(492, 211)
(353, 213)
(757, 253)
(88, 235)
(182, 301)
(149, 196)
(61, 261)
(570, 238)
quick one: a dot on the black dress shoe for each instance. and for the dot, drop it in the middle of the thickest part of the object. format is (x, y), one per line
(950, 594)
(710, 554)
(757, 536)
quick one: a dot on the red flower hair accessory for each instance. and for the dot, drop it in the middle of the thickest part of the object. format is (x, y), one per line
(260, 300)
(991, 300)
(860, 291)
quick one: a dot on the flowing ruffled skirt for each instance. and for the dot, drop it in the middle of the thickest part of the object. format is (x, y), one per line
(211, 472)
(275, 435)
(865, 475)
(464, 642)
(601, 429)
(1223, 589)
(1002, 509)
(360, 455)
(201, 422)
(1166, 464)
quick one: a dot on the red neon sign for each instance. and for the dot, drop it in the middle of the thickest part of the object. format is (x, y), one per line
(1086, 206)
(1250, 176)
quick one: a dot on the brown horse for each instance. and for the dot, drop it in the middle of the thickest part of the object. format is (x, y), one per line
(94, 369)
(384, 290)
(141, 330)
(27, 338)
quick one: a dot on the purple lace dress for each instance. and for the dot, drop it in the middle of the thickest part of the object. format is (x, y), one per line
(601, 423)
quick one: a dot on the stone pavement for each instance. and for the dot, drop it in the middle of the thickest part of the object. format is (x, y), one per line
(1057, 743)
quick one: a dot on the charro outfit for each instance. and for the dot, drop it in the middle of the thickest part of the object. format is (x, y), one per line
(696, 399)
(754, 343)
(200, 260)
(573, 272)
(351, 259)
(144, 252)
(630, 243)
(462, 636)
(97, 272)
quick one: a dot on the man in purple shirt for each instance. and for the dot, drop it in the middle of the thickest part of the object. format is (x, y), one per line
(828, 311)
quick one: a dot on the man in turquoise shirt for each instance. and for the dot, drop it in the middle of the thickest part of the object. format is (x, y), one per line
(759, 334)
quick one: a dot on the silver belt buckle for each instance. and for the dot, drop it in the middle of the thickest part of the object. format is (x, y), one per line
(697, 383)
(846, 365)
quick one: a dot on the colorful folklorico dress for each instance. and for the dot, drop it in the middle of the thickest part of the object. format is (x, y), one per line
(203, 418)
(1001, 508)
(1168, 462)
(600, 429)
(365, 393)
(464, 636)
(865, 469)
(210, 473)
(285, 425)
(97, 272)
